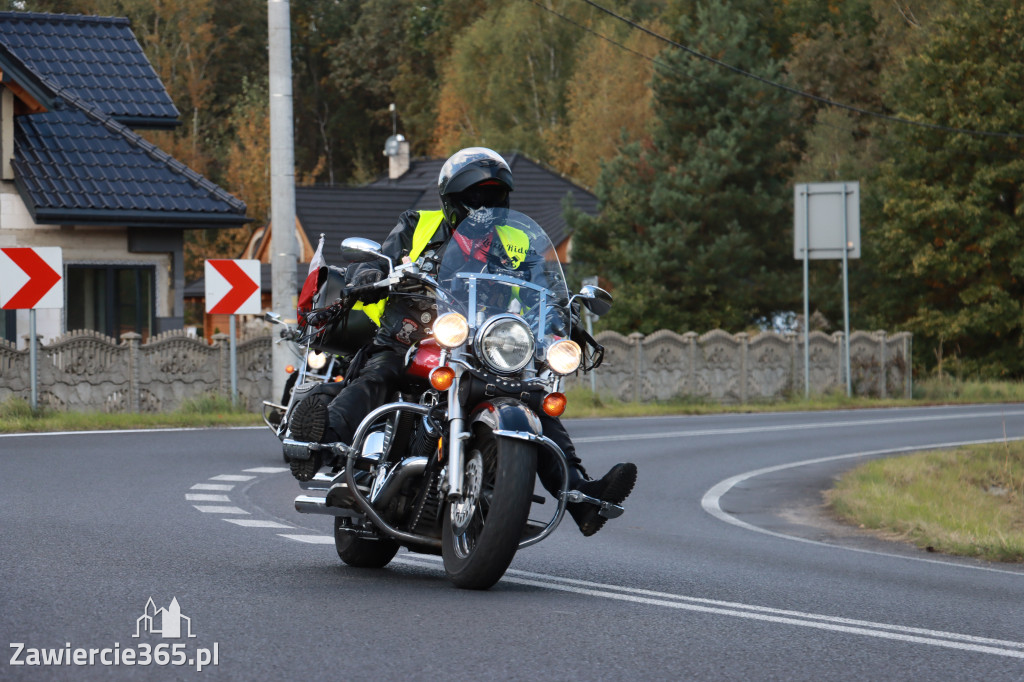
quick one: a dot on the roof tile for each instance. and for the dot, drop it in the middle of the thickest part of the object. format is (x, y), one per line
(123, 175)
(68, 51)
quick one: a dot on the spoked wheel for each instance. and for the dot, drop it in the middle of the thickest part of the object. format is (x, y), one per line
(362, 552)
(482, 531)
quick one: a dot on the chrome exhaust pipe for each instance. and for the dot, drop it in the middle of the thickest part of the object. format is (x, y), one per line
(314, 504)
(320, 481)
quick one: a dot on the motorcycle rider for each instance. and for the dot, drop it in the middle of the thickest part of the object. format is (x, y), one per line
(470, 179)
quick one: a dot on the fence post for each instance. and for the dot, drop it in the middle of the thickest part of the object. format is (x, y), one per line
(791, 340)
(224, 362)
(883, 379)
(840, 358)
(744, 339)
(908, 363)
(134, 389)
(691, 352)
(638, 364)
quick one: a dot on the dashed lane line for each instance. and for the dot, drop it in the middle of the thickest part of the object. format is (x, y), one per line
(219, 509)
(198, 497)
(257, 523)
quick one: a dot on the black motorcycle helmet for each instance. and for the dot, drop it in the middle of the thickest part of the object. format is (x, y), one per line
(473, 178)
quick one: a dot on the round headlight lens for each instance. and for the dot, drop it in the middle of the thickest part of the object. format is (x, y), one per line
(451, 330)
(505, 344)
(564, 356)
(316, 359)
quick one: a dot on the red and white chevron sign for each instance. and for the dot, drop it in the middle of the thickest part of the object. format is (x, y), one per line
(31, 278)
(232, 287)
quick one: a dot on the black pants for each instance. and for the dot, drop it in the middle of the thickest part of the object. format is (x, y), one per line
(379, 377)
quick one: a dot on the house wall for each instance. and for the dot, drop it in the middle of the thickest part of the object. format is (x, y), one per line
(80, 245)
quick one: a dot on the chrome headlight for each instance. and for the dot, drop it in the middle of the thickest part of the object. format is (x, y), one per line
(564, 356)
(316, 359)
(505, 344)
(451, 330)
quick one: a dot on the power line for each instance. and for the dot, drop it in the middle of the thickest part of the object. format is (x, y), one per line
(781, 86)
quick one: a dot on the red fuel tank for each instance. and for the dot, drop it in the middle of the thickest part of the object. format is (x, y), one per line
(426, 358)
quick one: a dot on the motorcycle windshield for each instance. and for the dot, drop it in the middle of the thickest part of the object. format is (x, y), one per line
(500, 261)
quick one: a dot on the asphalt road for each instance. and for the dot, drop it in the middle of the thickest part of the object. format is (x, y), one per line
(720, 569)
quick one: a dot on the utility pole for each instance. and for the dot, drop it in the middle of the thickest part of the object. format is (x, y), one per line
(283, 244)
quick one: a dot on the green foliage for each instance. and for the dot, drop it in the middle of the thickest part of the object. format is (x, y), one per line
(208, 404)
(505, 82)
(954, 203)
(15, 408)
(689, 234)
(698, 163)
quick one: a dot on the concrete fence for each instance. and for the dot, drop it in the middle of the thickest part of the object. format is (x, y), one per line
(740, 368)
(88, 371)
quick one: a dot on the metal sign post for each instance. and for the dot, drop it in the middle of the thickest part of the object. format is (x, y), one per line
(232, 288)
(589, 319)
(29, 279)
(826, 225)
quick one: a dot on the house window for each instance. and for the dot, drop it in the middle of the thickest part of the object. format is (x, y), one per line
(111, 299)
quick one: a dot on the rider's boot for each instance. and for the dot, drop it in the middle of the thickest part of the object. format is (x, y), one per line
(309, 418)
(613, 487)
(307, 424)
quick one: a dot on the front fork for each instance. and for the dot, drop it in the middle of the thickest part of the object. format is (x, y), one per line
(457, 437)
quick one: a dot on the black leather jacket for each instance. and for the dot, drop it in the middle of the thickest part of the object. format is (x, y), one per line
(406, 316)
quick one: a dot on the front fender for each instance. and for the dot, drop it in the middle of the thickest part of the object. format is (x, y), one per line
(509, 418)
(506, 414)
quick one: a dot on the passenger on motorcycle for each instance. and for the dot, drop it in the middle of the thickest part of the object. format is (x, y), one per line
(471, 179)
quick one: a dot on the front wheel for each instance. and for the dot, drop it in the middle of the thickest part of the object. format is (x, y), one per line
(482, 531)
(362, 552)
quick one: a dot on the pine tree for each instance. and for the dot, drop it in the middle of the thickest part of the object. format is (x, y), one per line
(695, 227)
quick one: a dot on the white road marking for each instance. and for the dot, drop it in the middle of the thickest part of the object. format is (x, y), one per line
(257, 523)
(711, 502)
(217, 509)
(192, 497)
(311, 539)
(267, 470)
(792, 427)
(212, 486)
(950, 640)
(232, 477)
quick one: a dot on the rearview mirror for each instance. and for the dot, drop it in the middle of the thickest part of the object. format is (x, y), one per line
(596, 299)
(359, 250)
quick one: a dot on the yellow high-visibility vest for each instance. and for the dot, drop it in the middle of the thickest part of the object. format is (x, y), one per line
(426, 227)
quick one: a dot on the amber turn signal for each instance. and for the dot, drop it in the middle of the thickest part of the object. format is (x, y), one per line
(442, 378)
(338, 379)
(554, 404)
(289, 369)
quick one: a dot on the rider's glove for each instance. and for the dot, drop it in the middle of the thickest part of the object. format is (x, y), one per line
(367, 277)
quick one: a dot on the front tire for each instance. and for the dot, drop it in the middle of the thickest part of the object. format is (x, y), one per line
(362, 552)
(481, 534)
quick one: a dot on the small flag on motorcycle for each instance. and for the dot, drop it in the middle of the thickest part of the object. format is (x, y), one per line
(309, 286)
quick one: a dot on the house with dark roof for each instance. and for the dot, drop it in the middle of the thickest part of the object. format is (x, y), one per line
(74, 173)
(372, 210)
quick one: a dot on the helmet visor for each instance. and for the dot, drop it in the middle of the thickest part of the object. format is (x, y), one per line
(487, 194)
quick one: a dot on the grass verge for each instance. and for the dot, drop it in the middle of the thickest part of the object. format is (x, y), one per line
(968, 501)
(17, 417)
